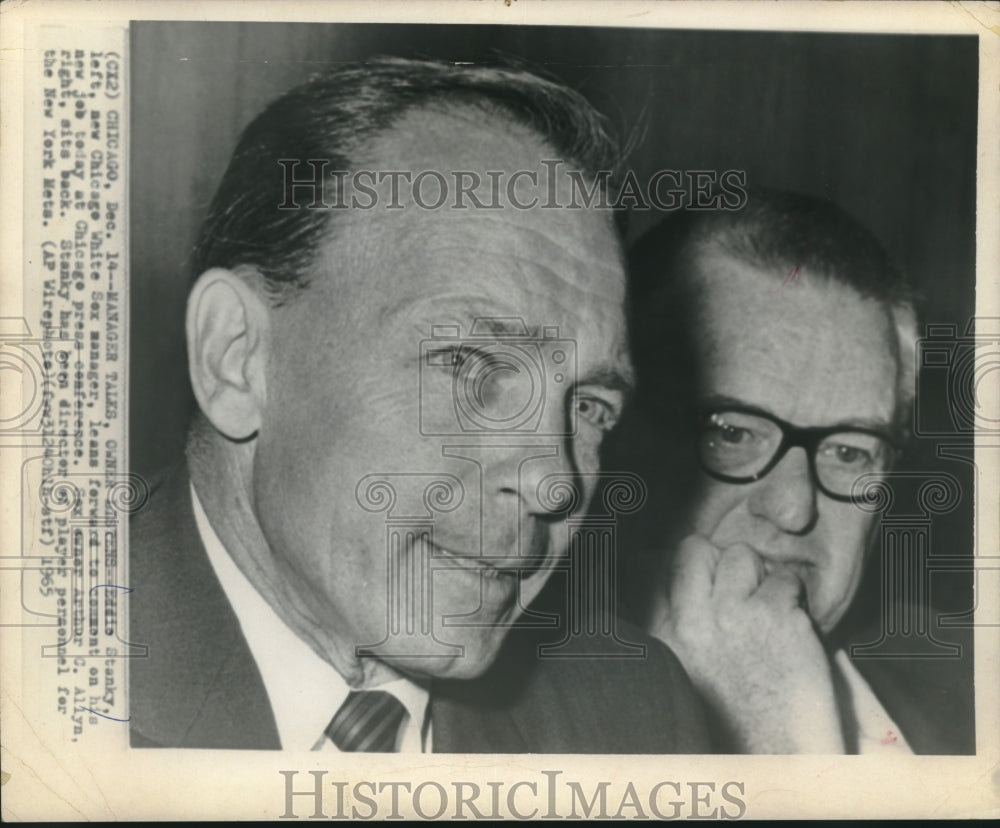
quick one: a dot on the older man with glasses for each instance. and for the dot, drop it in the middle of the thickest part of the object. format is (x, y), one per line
(798, 337)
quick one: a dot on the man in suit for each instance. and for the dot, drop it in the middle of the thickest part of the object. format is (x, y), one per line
(801, 335)
(396, 350)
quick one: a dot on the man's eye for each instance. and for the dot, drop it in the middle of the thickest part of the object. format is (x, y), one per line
(455, 357)
(448, 359)
(849, 455)
(724, 432)
(723, 435)
(732, 434)
(597, 412)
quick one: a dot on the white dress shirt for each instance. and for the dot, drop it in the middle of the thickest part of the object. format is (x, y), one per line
(877, 732)
(304, 690)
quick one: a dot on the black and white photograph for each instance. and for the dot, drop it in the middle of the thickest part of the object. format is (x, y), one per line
(589, 416)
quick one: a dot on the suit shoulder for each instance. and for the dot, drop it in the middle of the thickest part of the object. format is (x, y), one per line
(642, 675)
(620, 692)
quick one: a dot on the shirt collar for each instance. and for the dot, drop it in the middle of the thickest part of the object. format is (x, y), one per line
(304, 689)
(877, 732)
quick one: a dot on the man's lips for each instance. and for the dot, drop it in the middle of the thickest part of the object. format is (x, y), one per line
(490, 565)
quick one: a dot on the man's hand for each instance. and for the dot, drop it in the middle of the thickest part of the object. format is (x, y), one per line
(751, 649)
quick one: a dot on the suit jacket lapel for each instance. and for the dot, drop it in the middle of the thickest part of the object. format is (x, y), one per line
(198, 685)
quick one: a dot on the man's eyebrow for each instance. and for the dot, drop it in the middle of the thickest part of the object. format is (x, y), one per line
(512, 326)
(610, 377)
(723, 401)
(474, 320)
(613, 376)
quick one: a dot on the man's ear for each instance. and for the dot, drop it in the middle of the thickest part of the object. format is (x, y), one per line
(227, 338)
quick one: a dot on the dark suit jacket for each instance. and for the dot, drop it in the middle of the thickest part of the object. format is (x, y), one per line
(199, 687)
(932, 700)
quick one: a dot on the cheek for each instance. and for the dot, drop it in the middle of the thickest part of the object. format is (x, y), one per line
(846, 541)
(716, 504)
(586, 447)
(287, 484)
(847, 534)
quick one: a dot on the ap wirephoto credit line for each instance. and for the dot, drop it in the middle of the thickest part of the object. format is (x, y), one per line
(478, 417)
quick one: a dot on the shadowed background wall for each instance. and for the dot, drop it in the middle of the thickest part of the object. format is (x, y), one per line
(884, 125)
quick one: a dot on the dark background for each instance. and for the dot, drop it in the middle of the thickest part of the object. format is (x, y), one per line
(883, 124)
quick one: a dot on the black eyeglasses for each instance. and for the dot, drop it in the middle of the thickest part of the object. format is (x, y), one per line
(741, 445)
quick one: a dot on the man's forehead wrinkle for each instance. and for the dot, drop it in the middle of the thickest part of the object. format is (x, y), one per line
(496, 315)
(723, 401)
(813, 347)
(564, 249)
(562, 286)
(393, 237)
(797, 289)
(454, 307)
(462, 273)
(517, 249)
(558, 226)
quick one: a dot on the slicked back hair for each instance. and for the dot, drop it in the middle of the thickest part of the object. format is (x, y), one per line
(334, 114)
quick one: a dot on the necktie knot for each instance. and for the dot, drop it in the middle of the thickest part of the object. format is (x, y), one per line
(368, 720)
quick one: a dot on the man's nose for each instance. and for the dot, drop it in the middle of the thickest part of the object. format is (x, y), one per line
(787, 495)
(536, 476)
(518, 473)
(546, 470)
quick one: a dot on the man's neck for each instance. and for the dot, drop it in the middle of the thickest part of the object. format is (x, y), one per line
(221, 476)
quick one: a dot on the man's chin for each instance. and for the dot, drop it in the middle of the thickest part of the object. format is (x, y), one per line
(470, 642)
(469, 660)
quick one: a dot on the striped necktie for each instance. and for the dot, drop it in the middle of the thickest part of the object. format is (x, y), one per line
(368, 720)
